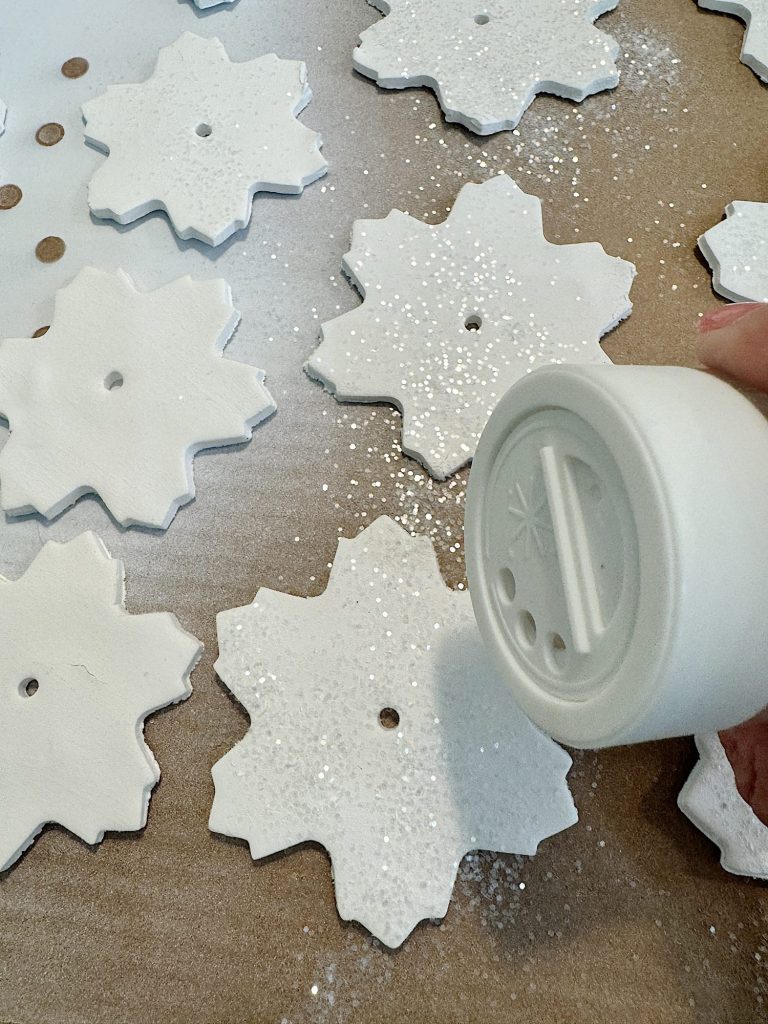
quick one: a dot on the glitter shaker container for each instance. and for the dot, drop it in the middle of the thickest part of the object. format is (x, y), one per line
(617, 551)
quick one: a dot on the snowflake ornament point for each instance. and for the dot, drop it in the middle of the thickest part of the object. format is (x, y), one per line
(713, 803)
(120, 394)
(208, 140)
(486, 66)
(409, 751)
(754, 13)
(454, 313)
(75, 695)
(736, 250)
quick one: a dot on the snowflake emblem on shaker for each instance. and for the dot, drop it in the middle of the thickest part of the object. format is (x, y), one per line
(529, 510)
(487, 63)
(200, 137)
(455, 313)
(710, 798)
(754, 13)
(737, 251)
(78, 676)
(380, 730)
(118, 396)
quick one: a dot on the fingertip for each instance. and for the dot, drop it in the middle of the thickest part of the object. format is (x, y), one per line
(724, 316)
(734, 340)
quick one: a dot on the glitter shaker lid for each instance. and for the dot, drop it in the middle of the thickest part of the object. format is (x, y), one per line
(616, 551)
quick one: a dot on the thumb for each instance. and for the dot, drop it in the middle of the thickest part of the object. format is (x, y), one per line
(734, 339)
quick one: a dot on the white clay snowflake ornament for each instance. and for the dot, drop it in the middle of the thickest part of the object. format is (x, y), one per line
(78, 676)
(204, 5)
(379, 729)
(200, 137)
(455, 313)
(118, 396)
(754, 13)
(712, 801)
(737, 251)
(486, 63)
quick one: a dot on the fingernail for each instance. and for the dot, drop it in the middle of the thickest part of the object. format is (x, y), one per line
(725, 316)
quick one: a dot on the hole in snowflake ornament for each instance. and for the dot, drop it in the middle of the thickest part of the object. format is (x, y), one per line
(113, 381)
(28, 687)
(389, 718)
(474, 322)
(482, 19)
(203, 130)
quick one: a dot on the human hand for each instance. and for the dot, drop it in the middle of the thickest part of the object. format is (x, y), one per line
(734, 339)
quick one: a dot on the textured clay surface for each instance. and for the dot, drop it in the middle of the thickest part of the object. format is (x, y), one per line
(122, 392)
(737, 251)
(455, 313)
(487, 63)
(78, 677)
(713, 803)
(380, 729)
(200, 137)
